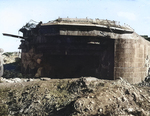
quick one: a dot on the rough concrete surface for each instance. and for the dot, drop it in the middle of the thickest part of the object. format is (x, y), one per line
(72, 47)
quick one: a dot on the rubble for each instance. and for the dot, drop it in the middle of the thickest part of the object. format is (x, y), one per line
(15, 80)
(1, 62)
(145, 83)
(86, 96)
(10, 57)
(147, 79)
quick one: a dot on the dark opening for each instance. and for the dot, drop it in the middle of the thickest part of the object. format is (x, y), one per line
(69, 57)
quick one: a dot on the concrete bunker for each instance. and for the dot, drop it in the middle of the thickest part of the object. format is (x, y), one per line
(68, 48)
(63, 51)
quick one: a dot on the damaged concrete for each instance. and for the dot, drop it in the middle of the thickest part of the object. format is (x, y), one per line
(84, 47)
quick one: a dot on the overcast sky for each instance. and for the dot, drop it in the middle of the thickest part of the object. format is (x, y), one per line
(16, 13)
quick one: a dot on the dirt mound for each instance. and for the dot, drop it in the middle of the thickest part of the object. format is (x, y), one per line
(86, 96)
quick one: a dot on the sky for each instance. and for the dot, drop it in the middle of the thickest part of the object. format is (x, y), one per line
(14, 14)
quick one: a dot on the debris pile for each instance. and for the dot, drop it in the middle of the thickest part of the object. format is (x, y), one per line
(74, 97)
(10, 57)
(12, 65)
(146, 82)
(15, 80)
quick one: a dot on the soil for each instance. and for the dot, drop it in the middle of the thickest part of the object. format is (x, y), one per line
(86, 96)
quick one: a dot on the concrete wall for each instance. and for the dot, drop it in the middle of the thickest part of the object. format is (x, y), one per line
(132, 58)
(68, 51)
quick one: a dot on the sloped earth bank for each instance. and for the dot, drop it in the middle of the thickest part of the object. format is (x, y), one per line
(86, 96)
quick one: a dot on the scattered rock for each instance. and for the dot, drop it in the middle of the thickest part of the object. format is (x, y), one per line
(147, 79)
(71, 97)
(16, 80)
(45, 79)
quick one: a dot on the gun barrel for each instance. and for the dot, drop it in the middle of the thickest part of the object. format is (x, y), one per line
(11, 35)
